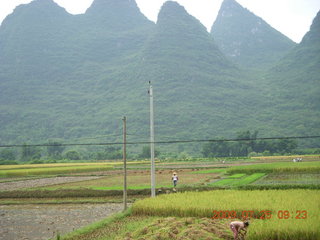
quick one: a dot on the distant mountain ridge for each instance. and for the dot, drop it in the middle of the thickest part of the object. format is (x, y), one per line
(72, 76)
(294, 85)
(246, 38)
(296, 77)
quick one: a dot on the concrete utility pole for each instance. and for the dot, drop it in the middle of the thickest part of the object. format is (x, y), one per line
(153, 169)
(125, 163)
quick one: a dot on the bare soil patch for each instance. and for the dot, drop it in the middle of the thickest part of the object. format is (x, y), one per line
(39, 222)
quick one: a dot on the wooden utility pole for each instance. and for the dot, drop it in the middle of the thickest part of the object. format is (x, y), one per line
(125, 163)
(153, 171)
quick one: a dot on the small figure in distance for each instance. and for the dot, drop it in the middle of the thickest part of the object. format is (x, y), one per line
(174, 180)
(239, 229)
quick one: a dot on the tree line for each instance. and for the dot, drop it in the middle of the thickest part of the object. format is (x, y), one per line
(56, 152)
(249, 147)
(245, 148)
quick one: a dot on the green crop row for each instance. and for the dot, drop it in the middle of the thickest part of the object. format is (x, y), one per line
(238, 175)
(282, 167)
(238, 180)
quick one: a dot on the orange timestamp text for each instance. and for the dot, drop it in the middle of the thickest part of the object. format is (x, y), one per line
(264, 214)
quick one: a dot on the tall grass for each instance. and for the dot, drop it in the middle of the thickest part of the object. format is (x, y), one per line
(202, 204)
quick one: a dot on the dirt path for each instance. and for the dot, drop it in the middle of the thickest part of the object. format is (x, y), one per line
(7, 186)
(39, 222)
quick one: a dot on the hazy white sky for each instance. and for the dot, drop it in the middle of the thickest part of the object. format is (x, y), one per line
(291, 17)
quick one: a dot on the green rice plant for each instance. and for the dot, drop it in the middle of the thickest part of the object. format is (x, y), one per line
(223, 182)
(238, 175)
(238, 180)
(282, 167)
(249, 179)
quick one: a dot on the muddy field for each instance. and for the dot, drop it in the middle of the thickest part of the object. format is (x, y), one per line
(39, 222)
(15, 185)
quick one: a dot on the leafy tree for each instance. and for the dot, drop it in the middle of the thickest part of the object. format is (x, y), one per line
(146, 152)
(55, 149)
(184, 156)
(30, 153)
(72, 155)
(111, 153)
(7, 154)
(216, 149)
(247, 144)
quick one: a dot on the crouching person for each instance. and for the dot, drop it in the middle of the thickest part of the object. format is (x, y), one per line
(239, 229)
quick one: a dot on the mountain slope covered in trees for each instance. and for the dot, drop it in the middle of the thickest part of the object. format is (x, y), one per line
(295, 85)
(75, 76)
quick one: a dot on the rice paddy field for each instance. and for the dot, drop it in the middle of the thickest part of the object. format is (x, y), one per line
(281, 199)
(57, 168)
(274, 214)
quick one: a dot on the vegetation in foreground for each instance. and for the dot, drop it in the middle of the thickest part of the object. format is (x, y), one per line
(279, 167)
(290, 215)
(294, 214)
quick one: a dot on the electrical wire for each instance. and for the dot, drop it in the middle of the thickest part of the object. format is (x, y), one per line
(156, 142)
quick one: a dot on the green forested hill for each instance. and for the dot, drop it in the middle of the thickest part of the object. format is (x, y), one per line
(62, 80)
(75, 76)
(197, 87)
(295, 84)
(246, 38)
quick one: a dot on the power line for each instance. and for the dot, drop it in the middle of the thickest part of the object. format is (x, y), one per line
(98, 137)
(156, 142)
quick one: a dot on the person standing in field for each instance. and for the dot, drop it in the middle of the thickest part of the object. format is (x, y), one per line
(239, 229)
(174, 179)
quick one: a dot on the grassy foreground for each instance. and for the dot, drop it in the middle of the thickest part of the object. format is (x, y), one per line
(275, 215)
(288, 214)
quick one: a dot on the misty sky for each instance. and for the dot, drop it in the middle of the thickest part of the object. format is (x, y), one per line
(291, 17)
